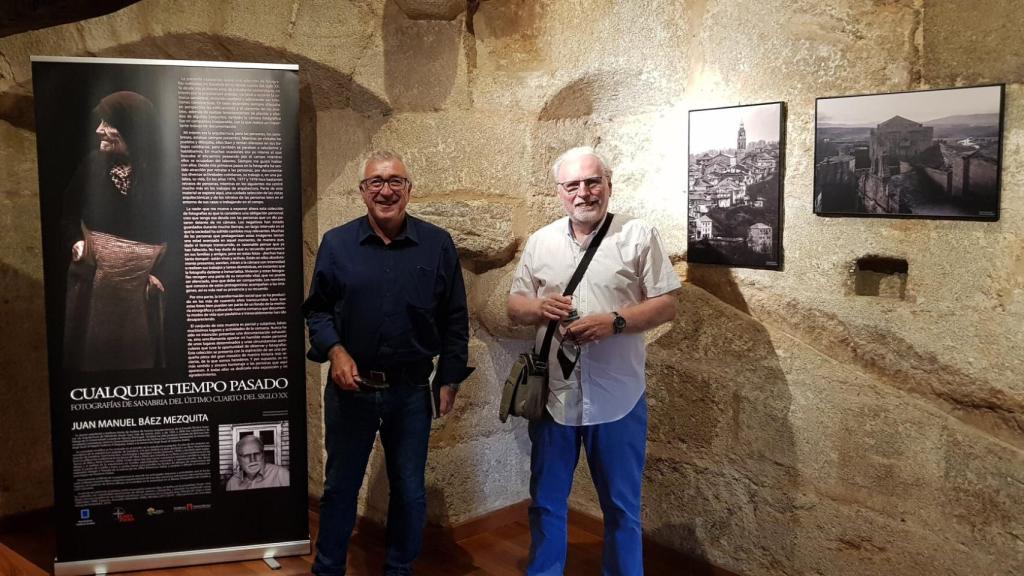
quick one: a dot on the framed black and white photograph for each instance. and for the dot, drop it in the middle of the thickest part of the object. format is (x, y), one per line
(734, 214)
(927, 154)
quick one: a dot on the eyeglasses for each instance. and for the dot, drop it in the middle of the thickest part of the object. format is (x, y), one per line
(376, 184)
(573, 186)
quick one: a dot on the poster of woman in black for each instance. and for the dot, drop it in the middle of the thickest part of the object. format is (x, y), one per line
(108, 177)
(115, 232)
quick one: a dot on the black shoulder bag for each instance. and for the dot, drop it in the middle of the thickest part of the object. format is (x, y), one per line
(525, 393)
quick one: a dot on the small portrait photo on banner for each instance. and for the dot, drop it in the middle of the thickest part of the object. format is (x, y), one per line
(254, 455)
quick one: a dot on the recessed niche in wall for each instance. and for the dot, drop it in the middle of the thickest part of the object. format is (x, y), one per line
(880, 276)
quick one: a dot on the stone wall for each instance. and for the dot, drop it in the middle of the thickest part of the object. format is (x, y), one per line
(796, 428)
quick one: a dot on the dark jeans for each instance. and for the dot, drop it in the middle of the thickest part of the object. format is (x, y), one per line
(402, 414)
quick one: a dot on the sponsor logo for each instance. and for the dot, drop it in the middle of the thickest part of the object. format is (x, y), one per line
(85, 517)
(191, 507)
(122, 516)
(154, 511)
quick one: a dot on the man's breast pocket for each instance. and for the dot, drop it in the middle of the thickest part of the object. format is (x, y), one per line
(422, 289)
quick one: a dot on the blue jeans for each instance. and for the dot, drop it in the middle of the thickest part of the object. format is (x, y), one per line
(616, 452)
(402, 414)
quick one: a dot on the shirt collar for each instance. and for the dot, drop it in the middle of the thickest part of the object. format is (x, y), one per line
(590, 237)
(409, 231)
(245, 480)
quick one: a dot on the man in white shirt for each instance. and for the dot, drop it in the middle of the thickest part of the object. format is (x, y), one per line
(597, 395)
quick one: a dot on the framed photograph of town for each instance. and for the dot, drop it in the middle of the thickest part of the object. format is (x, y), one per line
(734, 214)
(927, 154)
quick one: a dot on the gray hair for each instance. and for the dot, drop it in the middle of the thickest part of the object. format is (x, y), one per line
(579, 152)
(379, 156)
(248, 438)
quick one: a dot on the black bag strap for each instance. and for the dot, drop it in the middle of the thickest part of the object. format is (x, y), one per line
(581, 268)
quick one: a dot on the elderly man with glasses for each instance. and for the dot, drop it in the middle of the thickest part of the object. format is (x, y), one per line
(253, 470)
(387, 296)
(597, 394)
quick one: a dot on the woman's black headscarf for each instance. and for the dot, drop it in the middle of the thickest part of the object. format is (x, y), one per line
(135, 118)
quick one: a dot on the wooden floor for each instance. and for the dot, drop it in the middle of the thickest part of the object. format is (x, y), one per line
(498, 547)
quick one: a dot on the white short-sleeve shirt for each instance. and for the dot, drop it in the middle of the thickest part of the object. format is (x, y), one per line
(631, 265)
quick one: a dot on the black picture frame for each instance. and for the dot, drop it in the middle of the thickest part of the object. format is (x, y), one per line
(734, 193)
(934, 154)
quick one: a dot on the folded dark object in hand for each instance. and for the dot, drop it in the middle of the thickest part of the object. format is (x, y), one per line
(370, 384)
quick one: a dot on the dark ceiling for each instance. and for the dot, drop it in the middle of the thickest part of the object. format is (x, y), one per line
(24, 15)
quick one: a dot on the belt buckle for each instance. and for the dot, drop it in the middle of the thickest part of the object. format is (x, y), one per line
(375, 380)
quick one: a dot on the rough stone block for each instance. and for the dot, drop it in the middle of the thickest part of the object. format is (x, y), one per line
(477, 477)
(450, 152)
(788, 51)
(482, 230)
(777, 460)
(488, 299)
(582, 71)
(476, 412)
(955, 30)
(432, 9)
(25, 427)
(424, 67)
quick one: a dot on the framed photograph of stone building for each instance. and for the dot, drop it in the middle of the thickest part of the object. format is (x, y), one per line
(926, 154)
(734, 214)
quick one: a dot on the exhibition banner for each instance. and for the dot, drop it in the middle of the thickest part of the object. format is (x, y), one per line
(172, 252)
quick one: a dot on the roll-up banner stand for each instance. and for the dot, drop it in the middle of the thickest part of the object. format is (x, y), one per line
(172, 252)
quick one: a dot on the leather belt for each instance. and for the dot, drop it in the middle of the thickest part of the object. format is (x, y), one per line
(395, 375)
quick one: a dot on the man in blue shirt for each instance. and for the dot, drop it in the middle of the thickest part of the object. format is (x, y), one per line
(387, 296)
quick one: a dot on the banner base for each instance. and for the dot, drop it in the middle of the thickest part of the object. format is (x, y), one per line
(186, 558)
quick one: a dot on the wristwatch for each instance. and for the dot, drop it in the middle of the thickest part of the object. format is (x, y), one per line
(618, 323)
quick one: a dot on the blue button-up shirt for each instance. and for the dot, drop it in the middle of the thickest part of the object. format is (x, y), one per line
(390, 304)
